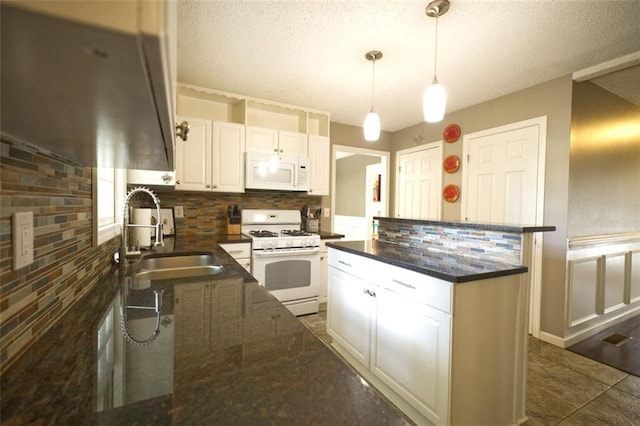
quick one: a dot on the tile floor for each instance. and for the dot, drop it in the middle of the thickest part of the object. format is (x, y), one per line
(563, 388)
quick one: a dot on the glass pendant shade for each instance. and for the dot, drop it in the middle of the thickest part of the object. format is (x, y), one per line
(434, 102)
(371, 127)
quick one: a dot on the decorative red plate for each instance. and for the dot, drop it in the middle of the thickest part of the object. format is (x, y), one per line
(451, 133)
(451, 193)
(451, 164)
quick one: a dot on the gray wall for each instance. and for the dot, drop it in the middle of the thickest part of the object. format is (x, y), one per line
(604, 175)
(351, 174)
(552, 99)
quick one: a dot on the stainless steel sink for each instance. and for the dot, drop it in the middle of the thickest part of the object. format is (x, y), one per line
(166, 266)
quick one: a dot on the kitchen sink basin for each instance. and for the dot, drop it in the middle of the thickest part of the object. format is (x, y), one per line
(166, 266)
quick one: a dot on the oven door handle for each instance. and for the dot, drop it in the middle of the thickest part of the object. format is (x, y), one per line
(279, 253)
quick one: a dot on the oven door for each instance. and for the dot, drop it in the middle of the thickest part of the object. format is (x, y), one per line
(288, 276)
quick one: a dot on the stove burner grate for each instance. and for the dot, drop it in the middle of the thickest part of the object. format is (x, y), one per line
(295, 233)
(263, 234)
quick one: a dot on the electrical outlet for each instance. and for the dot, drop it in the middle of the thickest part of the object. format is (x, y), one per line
(179, 211)
(22, 238)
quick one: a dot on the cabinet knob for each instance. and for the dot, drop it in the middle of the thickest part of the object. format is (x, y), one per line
(215, 186)
(208, 186)
(177, 182)
(182, 130)
(282, 150)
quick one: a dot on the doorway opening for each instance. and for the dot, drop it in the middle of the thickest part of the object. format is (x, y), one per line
(359, 190)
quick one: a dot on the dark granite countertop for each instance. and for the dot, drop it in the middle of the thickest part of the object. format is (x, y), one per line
(324, 235)
(443, 265)
(227, 353)
(501, 227)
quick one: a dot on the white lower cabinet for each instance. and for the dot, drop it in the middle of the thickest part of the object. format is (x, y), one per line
(240, 251)
(376, 316)
(324, 269)
(410, 351)
(443, 353)
(349, 316)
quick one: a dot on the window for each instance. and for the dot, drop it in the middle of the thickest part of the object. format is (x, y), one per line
(108, 195)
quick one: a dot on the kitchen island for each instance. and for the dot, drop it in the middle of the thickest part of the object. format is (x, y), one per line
(227, 353)
(435, 314)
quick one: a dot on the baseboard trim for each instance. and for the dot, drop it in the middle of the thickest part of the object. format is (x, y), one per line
(587, 332)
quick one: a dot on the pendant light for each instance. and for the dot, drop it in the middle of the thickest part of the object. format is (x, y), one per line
(434, 102)
(372, 120)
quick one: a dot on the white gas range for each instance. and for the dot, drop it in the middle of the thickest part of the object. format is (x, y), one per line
(285, 259)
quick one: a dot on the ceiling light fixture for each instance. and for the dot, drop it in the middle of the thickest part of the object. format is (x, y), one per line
(434, 102)
(372, 120)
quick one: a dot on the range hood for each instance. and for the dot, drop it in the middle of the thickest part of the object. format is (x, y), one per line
(91, 81)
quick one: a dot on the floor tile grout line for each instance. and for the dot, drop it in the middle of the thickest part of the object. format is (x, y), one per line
(584, 405)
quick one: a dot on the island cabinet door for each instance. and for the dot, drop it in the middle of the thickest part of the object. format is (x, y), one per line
(349, 309)
(410, 352)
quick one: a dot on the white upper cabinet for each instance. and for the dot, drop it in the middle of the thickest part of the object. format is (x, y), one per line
(291, 143)
(280, 142)
(212, 157)
(269, 127)
(319, 157)
(193, 157)
(227, 171)
(260, 139)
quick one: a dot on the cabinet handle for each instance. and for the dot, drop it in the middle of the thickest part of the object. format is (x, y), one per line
(403, 284)
(369, 292)
(345, 263)
(234, 251)
(182, 130)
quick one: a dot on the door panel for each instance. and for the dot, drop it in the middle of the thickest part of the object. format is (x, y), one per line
(420, 179)
(502, 177)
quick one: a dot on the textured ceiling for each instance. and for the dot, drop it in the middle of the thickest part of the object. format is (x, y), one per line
(312, 53)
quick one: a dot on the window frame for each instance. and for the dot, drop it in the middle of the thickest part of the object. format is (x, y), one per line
(103, 233)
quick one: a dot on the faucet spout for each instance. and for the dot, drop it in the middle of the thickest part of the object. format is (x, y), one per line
(124, 248)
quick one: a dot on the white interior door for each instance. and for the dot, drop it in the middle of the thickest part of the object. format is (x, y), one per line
(502, 176)
(419, 181)
(504, 183)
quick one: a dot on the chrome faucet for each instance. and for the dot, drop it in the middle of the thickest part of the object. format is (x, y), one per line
(124, 248)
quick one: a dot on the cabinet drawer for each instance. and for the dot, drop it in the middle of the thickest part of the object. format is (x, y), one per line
(237, 250)
(419, 287)
(352, 263)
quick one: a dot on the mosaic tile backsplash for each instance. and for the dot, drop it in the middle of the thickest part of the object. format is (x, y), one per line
(481, 244)
(66, 265)
(206, 212)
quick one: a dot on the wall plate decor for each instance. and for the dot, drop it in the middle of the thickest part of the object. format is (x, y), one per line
(451, 133)
(451, 164)
(451, 193)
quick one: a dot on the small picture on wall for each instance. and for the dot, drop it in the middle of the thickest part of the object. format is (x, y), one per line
(376, 188)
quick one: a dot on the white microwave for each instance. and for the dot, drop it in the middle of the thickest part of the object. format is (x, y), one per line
(281, 172)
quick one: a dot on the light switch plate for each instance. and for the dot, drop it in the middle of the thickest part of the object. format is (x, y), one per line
(326, 211)
(179, 211)
(22, 230)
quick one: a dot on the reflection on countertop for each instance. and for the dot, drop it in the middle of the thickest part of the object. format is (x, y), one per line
(226, 352)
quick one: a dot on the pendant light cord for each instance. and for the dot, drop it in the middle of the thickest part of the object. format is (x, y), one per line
(373, 82)
(435, 59)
